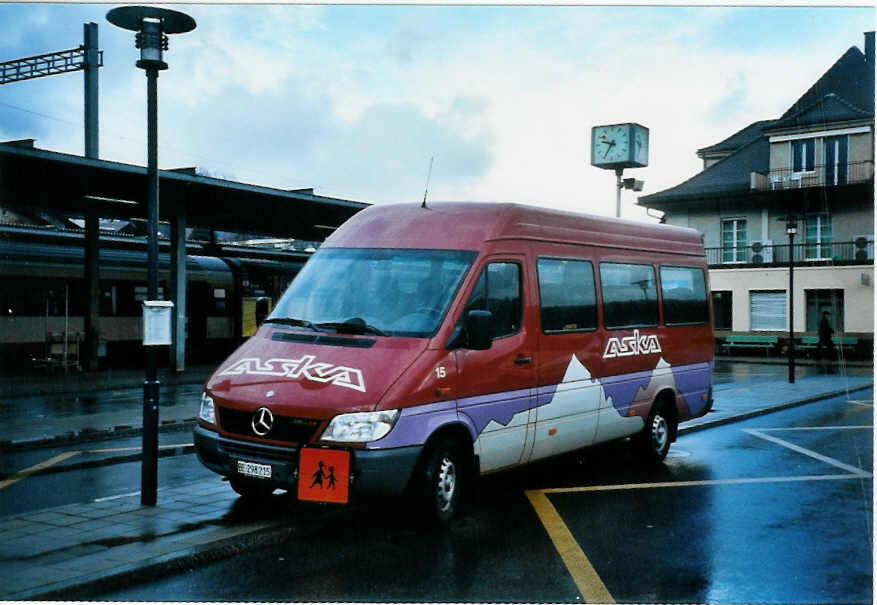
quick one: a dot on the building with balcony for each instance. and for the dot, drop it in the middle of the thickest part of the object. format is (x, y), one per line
(814, 165)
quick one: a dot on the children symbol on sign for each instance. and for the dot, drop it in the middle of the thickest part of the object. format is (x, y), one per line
(318, 475)
(331, 478)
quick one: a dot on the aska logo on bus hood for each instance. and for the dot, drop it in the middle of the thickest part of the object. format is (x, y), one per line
(632, 345)
(305, 367)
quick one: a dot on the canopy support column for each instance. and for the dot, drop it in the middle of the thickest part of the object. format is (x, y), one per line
(178, 288)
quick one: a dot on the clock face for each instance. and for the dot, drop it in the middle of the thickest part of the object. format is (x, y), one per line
(610, 144)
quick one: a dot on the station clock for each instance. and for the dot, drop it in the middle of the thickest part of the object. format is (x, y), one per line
(620, 146)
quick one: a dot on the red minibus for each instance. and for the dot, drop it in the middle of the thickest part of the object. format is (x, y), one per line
(423, 346)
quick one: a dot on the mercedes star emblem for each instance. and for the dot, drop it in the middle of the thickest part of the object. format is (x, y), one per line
(263, 421)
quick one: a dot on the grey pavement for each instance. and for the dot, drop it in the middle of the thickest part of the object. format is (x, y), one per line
(38, 411)
(62, 552)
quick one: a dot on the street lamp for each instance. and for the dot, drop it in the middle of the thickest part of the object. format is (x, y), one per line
(151, 24)
(791, 229)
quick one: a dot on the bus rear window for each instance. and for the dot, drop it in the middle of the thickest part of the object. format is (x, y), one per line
(684, 292)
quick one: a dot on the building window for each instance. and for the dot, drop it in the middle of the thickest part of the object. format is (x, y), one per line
(722, 310)
(825, 300)
(836, 160)
(803, 155)
(817, 236)
(767, 310)
(630, 295)
(734, 240)
(568, 295)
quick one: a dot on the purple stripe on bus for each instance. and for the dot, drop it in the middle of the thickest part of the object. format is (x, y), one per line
(416, 424)
(693, 381)
(622, 389)
(500, 407)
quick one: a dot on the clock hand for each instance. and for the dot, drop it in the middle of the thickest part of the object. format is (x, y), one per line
(608, 148)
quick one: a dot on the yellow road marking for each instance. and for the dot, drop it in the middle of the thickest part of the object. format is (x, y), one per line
(705, 482)
(23, 474)
(583, 573)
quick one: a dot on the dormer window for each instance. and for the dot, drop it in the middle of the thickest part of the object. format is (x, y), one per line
(804, 155)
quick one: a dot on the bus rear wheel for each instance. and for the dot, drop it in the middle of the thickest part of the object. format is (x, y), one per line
(654, 441)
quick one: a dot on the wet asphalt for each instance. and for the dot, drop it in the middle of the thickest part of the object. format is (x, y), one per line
(775, 509)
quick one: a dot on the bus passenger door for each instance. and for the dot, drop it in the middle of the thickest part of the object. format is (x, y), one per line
(496, 385)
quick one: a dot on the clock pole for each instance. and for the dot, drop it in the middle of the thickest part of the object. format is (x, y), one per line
(619, 185)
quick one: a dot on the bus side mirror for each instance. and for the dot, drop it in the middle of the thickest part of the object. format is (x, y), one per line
(479, 330)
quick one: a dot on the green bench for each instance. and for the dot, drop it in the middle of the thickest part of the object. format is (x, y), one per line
(848, 343)
(750, 341)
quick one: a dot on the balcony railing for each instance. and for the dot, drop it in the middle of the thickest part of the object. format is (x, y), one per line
(831, 175)
(858, 252)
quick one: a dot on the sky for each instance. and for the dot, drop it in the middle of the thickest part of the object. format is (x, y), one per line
(357, 100)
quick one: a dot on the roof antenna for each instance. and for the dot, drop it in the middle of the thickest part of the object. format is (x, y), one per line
(428, 175)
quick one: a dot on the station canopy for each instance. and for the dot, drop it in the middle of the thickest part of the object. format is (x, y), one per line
(33, 180)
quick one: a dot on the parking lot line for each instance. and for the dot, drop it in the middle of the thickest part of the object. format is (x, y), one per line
(584, 575)
(701, 483)
(23, 474)
(810, 453)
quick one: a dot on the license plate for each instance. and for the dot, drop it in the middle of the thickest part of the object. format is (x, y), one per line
(323, 475)
(252, 469)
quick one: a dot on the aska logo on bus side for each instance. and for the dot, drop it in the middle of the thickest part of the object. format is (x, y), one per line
(627, 346)
(304, 367)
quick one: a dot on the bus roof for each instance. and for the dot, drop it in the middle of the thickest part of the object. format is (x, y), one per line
(468, 225)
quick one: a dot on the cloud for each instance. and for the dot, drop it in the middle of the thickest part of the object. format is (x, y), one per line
(354, 100)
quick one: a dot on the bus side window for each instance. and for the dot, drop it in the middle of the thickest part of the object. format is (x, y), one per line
(567, 294)
(630, 296)
(498, 290)
(683, 290)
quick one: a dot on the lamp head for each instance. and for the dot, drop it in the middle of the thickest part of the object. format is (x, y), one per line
(151, 24)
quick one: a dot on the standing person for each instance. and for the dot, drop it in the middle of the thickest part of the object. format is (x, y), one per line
(825, 346)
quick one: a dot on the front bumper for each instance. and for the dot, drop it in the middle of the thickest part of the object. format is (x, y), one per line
(372, 472)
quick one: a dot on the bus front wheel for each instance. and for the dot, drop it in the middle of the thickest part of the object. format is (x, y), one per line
(442, 481)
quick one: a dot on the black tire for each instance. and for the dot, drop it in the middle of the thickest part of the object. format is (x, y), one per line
(442, 481)
(654, 441)
(251, 489)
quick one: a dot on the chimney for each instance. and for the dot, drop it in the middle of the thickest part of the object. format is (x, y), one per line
(869, 48)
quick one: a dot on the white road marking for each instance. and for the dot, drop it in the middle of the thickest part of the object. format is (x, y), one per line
(815, 455)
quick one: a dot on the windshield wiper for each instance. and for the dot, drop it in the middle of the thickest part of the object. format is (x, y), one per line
(293, 321)
(356, 325)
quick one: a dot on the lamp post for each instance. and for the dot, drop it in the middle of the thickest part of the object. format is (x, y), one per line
(791, 230)
(152, 25)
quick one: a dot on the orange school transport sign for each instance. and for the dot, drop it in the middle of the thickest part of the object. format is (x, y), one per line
(323, 475)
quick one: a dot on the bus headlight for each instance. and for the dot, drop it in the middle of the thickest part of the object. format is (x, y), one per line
(360, 426)
(208, 411)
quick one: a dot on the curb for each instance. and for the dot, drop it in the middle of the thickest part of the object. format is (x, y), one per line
(89, 435)
(770, 409)
(159, 566)
(168, 452)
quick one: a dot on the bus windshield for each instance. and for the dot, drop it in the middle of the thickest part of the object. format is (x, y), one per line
(384, 291)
